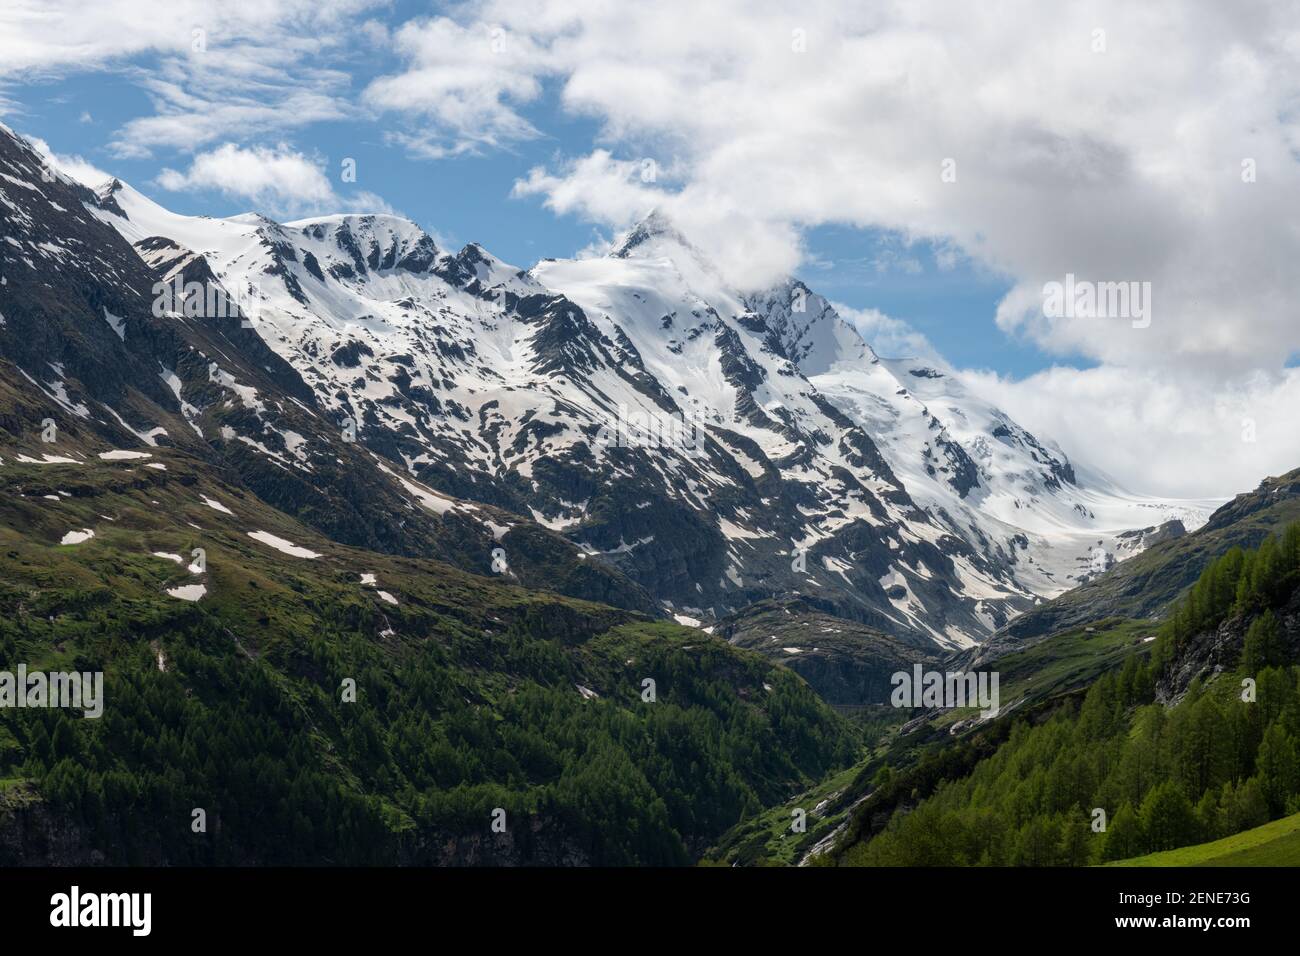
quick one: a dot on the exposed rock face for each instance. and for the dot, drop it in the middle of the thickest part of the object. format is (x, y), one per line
(1209, 653)
(30, 835)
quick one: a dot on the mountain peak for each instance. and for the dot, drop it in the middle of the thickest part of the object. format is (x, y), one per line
(474, 263)
(654, 229)
(383, 226)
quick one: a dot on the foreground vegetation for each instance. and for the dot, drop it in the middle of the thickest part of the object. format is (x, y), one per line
(470, 696)
(1213, 765)
(1273, 844)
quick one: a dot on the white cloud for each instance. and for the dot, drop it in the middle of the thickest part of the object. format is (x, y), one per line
(752, 248)
(1122, 164)
(213, 69)
(53, 35)
(193, 112)
(1106, 140)
(278, 181)
(891, 262)
(1158, 432)
(889, 337)
(79, 168)
(466, 81)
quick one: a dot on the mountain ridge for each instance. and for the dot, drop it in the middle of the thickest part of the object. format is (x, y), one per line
(796, 460)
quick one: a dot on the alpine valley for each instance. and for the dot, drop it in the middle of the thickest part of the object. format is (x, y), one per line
(598, 543)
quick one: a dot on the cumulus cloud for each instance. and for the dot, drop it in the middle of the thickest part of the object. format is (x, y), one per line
(889, 337)
(1111, 142)
(751, 247)
(1156, 432)
(78, 167)
(276, 180)
(1106, 141)
(48, 36)
(466, 82)
(213, 69)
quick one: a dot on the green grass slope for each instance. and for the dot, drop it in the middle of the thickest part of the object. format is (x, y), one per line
(1273, 844)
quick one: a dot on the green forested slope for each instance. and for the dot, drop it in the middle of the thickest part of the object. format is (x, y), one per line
(1273, 844)
(471, 695)
(1166, 774)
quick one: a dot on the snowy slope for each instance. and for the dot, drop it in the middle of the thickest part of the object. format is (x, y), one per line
(718, 447)
(964, 457)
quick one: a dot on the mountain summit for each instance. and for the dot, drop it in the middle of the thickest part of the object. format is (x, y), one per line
(649, 235)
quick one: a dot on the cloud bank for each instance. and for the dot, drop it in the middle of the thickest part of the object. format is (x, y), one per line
(1111, 142)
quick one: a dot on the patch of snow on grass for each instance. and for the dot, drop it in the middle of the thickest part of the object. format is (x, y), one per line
(49, 460)
(119, 454)
(216, 505)
(188, 592)
(286, 547)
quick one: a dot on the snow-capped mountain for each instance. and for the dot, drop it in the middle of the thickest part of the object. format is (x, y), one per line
(716, 447)
(95, 360)
(947, 468)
